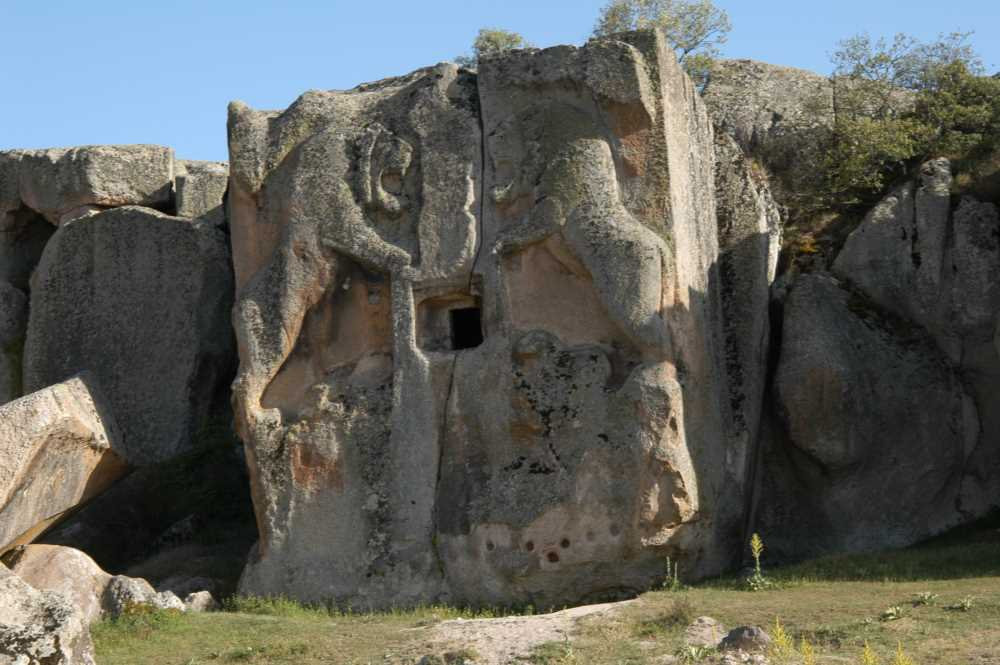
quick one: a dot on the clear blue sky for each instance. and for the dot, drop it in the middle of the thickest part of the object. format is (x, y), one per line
(136, 71)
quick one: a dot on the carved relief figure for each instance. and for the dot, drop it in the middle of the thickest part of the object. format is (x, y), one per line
(557, 175)
(328, 219)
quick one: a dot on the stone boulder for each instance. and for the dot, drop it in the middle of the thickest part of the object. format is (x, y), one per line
(124, 592)
(58, 449)
(200, 601)
(487, 377)
(200, 189)
(65, 570)
(142, 300)
(62, 183)
(936, 265)
(13, 322)
(40, 627)
(877, 429)
(746, 638)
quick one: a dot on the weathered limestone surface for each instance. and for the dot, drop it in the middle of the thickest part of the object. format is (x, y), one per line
(40, 627)
(141, 299)
(450, 362)
(58, 449)
(879, 429)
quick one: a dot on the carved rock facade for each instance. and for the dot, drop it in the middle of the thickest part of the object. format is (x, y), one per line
(478, 320)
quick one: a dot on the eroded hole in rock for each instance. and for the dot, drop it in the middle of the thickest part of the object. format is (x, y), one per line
(490, 546)
(552, 557)
(466, 328)
(529, 546)
(565, 543)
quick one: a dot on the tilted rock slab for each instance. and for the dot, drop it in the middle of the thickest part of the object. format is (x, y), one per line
(142, 300)
(484, 377)
(40, 627)
(879, 429)
(57, 450)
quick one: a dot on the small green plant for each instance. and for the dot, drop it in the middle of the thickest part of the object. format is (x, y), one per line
(901, 658)
(695, 654)
(925, 598)
(671, 581)
(782, 647)
(868, 656)
(963, 605)
(807, 652)
(756, 580)
(892, 613)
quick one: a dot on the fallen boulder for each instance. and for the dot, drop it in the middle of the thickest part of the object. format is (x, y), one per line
(58, 449)
(40, 627)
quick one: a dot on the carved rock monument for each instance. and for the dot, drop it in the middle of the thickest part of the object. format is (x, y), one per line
(477, 317)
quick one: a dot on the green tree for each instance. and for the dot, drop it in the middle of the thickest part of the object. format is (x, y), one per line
(490, 41)
(694, 28)
(899, 102)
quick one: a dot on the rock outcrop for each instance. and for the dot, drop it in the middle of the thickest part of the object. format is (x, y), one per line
(58, 449)
(879, 429)
(766, 107)
(937, 265)
(450, 361)
(39, 627)
(141, 299)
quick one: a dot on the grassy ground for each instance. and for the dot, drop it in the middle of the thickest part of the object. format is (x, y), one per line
(837, 603)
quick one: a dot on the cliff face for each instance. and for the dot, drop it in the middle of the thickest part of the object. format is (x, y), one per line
(517, 335)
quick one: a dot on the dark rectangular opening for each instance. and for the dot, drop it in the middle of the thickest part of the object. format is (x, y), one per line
(466, 328)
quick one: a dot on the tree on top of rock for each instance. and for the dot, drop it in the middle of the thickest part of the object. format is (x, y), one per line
(695, 28)
(490, 41)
